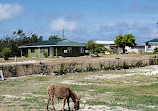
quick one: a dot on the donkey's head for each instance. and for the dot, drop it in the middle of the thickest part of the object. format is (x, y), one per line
(77, 104)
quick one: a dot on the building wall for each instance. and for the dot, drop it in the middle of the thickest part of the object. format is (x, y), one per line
(149, 47)
(75, 52)
(35, 54)
(59, 50)
(42, 53)
(135, 49)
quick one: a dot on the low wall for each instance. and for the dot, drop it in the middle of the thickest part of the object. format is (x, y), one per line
(30, 69)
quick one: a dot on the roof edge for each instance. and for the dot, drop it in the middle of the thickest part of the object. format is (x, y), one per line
(52, 45)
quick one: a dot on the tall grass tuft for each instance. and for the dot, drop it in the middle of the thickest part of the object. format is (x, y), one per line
(139, 63)
(61, 70)
(125, 65)
(101, 66)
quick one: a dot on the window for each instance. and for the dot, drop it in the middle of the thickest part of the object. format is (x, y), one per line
(132, 47)
(69, 50)
(42, 50)
(32, 50)
(149, 46)
(65, 51)
(81, 49)
(86, 51)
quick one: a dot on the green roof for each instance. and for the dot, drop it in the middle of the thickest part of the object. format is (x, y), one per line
(54, 42)
(153, 40)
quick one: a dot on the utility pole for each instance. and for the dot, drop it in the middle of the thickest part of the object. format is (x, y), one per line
(63, 33)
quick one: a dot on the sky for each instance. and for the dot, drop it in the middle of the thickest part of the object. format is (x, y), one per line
(82, 20)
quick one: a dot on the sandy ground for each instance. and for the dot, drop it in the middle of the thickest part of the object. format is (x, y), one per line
(148, 71)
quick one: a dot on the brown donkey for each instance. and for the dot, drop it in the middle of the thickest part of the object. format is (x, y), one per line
(62, 92)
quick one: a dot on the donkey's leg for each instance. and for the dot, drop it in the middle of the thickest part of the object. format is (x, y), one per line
(52, 103)
(64, 104)
(48, 103)
(68, 102)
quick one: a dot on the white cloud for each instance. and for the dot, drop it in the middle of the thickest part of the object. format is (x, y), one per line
(9, 11)
(154, 33)
(60, 24)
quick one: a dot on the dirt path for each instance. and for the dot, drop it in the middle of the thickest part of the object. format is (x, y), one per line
(82, 59)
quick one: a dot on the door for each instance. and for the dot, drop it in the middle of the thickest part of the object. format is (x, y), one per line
(51, 51)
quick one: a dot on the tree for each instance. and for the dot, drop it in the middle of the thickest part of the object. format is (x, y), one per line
(5, 53)
(156, 49)
(99, 48)
(54, 37)
(17, 39)
(126, 40)
(91, 46)
(20, 38)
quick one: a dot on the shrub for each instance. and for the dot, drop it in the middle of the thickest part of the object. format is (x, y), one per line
(96, 54)
(156, 49)
(125, 65)
(153, 61)
(5, 53)
(101, 66)
(72, 67)
(61, 71)
(45, 54)
(89, 68)
(118, 67)
(26, 56)
(139, 63)
(12, 70)
(106, 67)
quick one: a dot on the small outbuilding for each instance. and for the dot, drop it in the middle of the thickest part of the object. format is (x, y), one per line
(151, 45)
(54, 47)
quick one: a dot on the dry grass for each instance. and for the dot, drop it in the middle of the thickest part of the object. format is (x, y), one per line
(132, 89)
(82, 59)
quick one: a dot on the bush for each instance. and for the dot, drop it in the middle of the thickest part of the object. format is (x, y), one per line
(61, 71)
(89, 68)
(156, 49)
(96, 54)
(139, 63)
(5, 53)
(26, 56)
(45, 54)
(125, 65)
(153, 61)
(101, 66)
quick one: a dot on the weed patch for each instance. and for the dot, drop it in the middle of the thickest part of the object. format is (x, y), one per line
(1, 98)
(38, 78)
(31, 100)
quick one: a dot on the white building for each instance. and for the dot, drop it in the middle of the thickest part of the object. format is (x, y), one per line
(135, 49)
(111, 45)
(107, 44)
(151, 45)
